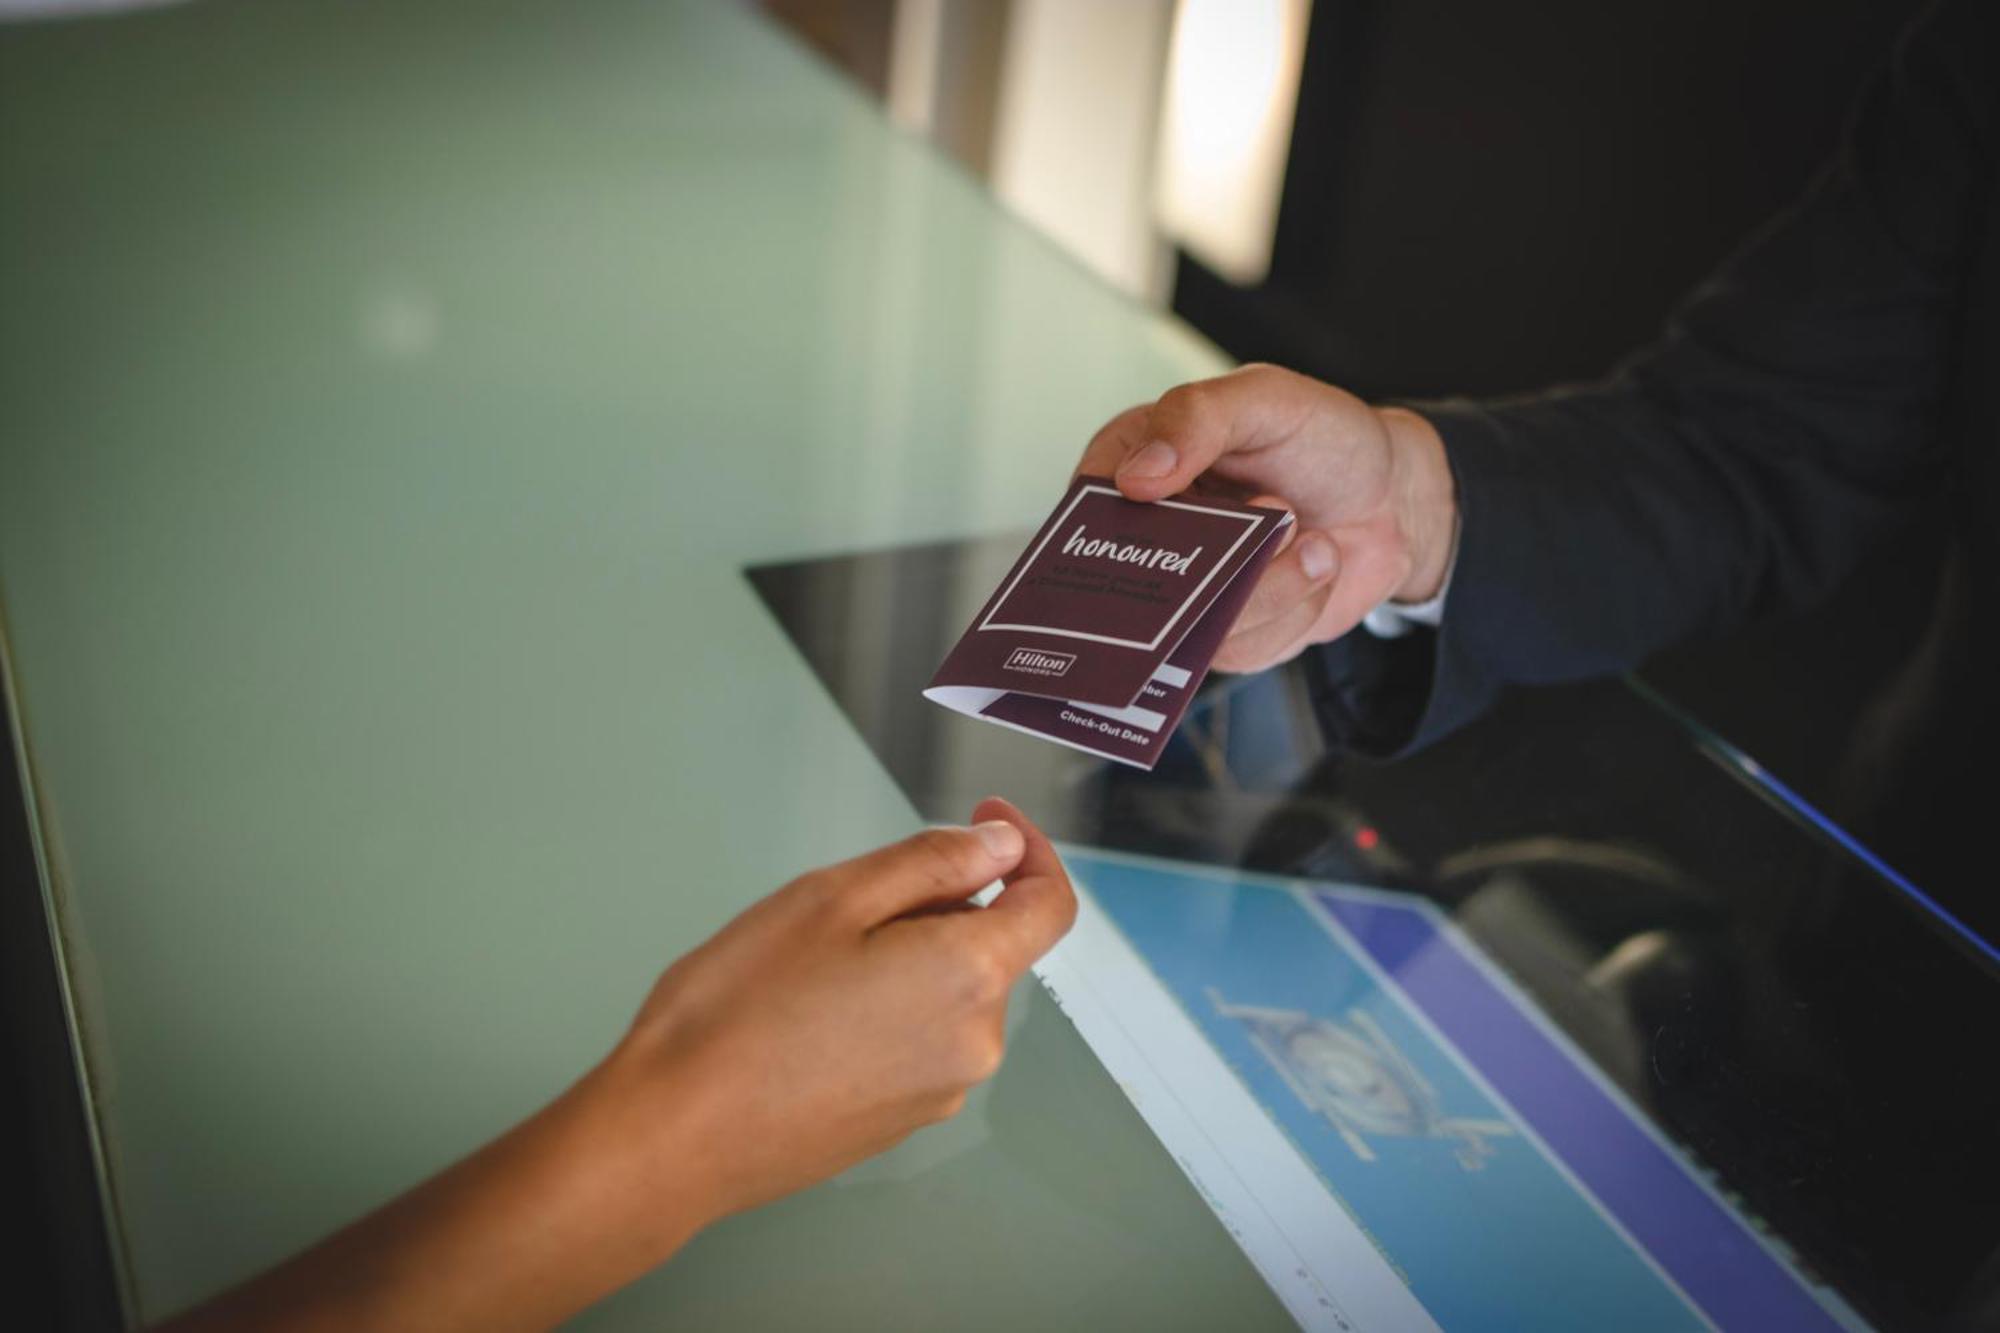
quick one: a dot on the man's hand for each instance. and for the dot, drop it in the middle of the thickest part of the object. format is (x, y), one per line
(849, 1008)
(1370, 488)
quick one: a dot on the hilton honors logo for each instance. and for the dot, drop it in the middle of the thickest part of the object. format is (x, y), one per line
(1035, 662)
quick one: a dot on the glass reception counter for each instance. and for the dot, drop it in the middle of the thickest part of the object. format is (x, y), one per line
(481, 489)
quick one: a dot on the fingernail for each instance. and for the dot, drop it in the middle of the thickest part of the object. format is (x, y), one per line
(1003, 842)
(1155, 460)
(1316, 556)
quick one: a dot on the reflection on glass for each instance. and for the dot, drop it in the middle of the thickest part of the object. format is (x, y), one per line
(1558, 996)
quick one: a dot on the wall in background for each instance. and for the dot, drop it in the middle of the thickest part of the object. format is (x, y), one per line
(1074, 131)
(1054, 104)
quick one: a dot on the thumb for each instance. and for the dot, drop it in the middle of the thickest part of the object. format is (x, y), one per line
(936, 866)
(1196, 426)
(1037, 907)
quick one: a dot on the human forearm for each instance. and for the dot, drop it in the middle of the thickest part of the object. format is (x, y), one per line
(589, 1193)
(824, 1024)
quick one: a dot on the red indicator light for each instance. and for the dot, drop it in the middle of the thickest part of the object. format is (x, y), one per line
(1366, 838)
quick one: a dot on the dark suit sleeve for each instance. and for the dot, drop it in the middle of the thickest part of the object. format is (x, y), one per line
(1785, 423)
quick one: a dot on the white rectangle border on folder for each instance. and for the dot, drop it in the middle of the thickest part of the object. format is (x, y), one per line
(1249, 521)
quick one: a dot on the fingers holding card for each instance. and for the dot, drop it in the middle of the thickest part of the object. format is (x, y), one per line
(1102, 630)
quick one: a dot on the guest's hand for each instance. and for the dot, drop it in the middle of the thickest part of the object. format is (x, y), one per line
(824, 1024)
(854, 1005)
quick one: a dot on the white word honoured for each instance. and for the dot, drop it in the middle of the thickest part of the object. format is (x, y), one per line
(1146, 557)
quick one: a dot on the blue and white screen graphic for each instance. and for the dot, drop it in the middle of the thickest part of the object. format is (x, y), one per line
(1502, 1182)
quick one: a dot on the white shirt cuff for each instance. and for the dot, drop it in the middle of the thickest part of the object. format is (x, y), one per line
(1392, 620)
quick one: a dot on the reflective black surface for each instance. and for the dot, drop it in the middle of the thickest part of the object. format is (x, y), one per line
(59, 1270)
(1801, 1026)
